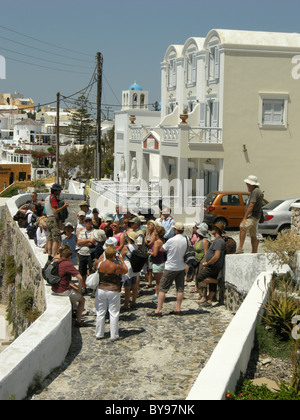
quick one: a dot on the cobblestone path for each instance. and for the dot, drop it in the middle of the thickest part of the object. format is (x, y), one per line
(155, 358)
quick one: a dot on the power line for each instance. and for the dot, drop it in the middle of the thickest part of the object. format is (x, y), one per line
(42, 59)
(45, 67)
(40, 49)
(53, 102)
(45, 42)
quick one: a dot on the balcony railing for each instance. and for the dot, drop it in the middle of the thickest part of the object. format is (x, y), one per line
(205, 135)
(211, 135)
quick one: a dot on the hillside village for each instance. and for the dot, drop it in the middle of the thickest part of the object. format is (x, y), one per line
(28, 138)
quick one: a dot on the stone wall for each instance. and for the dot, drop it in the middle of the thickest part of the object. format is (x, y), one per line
(241, 271)
(44, 344)
(296, 217)
(14, 242)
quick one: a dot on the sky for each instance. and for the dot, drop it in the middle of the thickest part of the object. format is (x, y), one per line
(50, 46)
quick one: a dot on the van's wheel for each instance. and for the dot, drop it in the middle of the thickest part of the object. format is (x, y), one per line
(223, 221)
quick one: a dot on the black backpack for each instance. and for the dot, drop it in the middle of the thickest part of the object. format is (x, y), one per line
(63, 214)
(50, 272)
(138, 259)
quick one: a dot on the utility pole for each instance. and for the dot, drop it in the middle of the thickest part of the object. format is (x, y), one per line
(57, 136)
(99, 59)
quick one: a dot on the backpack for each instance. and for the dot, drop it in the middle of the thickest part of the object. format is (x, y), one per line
(50, 272)
(190, 255)
(31, 231)
(63, 214)
(230, 245)
(138, 259)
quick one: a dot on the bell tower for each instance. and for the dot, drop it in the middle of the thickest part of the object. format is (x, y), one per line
(134, 98)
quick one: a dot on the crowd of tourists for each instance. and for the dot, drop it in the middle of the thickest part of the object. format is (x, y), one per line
(122, 248)
(108, 244)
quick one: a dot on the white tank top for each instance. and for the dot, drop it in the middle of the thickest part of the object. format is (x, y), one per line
(48, 208)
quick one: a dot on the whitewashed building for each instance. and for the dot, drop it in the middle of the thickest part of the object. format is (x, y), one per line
(131, 122)
(241, 95)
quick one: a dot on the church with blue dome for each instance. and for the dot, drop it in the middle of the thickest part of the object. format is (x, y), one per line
(134, 98)
(135, 86)
(135, 119)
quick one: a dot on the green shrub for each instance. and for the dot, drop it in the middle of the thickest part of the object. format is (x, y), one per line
(246, 390)
(10, 192)
(281, 306)
(10, 270)
(25, 301)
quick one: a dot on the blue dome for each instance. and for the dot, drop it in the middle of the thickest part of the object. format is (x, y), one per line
(135, 86)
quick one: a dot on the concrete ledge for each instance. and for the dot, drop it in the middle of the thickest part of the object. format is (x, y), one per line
(232, 354)
(45, 344)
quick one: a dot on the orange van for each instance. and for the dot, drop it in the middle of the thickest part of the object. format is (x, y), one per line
(227, 207)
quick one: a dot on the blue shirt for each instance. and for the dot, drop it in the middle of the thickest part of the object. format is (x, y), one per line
(71, 241)
(167, 225)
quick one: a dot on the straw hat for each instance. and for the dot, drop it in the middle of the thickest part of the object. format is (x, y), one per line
(219, 226)
(178, 226)
(133, 235)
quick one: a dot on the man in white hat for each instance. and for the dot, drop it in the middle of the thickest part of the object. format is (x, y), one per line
(252, 214)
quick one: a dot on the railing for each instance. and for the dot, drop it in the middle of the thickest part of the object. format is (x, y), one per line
(205, 135)
(136, 133)
(127, 195)
(211, 135)
(131, 196)
(171, 133)
(18, 158)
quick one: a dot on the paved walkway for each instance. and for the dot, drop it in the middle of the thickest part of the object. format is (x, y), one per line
(155, 358)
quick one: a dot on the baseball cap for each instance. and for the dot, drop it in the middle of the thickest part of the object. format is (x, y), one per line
(56, 187)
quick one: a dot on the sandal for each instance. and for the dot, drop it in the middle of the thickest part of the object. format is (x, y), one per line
(176, 313)
(194, 290)
(200, 301)
(155, 314)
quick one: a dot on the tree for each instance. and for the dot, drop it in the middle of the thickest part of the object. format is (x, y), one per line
(107, 148)
(82, 128)
(82, 158)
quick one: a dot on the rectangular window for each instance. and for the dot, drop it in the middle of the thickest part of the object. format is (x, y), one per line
(230, 200)
(171, 73)
(190, 68)
(212, 64)
(273, 110)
